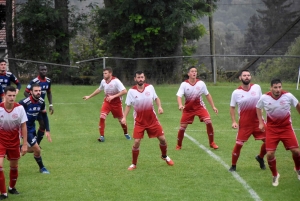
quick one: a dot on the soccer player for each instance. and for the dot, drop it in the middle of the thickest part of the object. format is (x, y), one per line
(113, 90)
(246, 97)
(277, 104)
(12, 124)
(7, 77)
(141, 97)
(34, 106)
(45, 84)
(192, 89)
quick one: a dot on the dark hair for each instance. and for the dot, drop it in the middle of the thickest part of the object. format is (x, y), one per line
(245, 71)
(139, 72)
(41, 65)
(188, 70)
(275, 81)
(109, 69)
(34, 85)
(2, 60)
(9, 88)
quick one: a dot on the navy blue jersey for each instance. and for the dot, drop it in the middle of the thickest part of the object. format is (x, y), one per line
(32, 108)
(1, 93)
(7, 78)
(44, 83)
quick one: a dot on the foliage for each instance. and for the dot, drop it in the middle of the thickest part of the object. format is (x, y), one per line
(283, 68)
(2, 16)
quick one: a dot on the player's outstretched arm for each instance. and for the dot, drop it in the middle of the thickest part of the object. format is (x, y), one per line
(121, 93)
(97, 91)
(298, 107)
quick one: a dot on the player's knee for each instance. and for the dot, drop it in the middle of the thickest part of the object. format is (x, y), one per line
(239, 142)
(207, 121)
(182, 128)
(103, 116)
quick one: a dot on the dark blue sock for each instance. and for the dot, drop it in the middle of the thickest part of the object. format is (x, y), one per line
(40, 135)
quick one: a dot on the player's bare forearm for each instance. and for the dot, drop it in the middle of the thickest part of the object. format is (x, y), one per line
(126, 111)
(232, 114)
(259, 115)
(211, 102)
(26, 94)
(179, 101)
(298, 107)
(24, 135)
(159, 108)
(97, 91)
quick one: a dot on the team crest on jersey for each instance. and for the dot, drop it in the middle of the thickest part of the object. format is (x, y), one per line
(111, 86)
(14, 116)
(253, 93)
(282, 102)
(147, 93)
(198, 88)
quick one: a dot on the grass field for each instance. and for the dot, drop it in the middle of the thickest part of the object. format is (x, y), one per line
(83, 169)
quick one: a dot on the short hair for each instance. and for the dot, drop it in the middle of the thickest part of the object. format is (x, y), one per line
(41, 65)
(139, 72)
(2, 60)
(34, 85)
(245, 71)
(10, 88)
(275, 81)
(109, 69)
(188, 70)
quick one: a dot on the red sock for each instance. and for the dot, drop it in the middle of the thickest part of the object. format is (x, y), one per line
(180, 136)
(124, 127)
(13, 176)
(210, 132)
(101, 126)
(263, 150)
(2, 181)
(297, 161)
(236, 153)
(135, 155)
(163, 148)
(272, 166)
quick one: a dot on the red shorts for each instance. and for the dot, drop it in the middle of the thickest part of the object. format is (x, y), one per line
(286, 135)
(12, 153)
(245, 132)
(116, 109)
(152, 131)
(188, 117)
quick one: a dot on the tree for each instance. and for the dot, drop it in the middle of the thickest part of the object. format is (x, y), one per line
(146, 28)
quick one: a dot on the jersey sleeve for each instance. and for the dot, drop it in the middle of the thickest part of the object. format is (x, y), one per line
(129, 98)
(233, 99)
(15, 80)
(101, 87)
(49, 87)
(259, 103)
(120, 85)
(205, 90)
(180, 91)
(29, 86)
(23, 115)
(293, 100)
(154, 93)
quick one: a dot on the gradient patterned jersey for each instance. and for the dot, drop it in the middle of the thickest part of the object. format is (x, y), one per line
(142, 102)
(10, 125)
(278, 110)
(114, 86)
(246, 102)
(32, 108)
(7, 78)
(44, 83)
(193, 94)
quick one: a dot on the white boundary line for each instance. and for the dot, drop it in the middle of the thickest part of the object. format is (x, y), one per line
(253, 194)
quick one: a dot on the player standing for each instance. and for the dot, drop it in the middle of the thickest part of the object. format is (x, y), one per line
(45, 84)
(12, 123)
(192, 89)
(277, 104)
(141, 97)
(114, 90)
(34, 106)
(246, 97)
(7, 77)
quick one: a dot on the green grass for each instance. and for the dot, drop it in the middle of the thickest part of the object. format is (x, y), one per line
(84, 169)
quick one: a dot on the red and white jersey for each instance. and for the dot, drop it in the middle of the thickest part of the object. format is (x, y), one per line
(278, 110)
(246, 102)
(111, 88)
(142, 102)
(10, 125)
(193, 94)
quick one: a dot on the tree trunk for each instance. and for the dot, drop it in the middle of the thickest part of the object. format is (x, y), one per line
(9, 37)
(177, 73)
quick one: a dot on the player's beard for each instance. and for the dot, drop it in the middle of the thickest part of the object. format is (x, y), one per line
(246, 82)
(140, 83)
(36, 97)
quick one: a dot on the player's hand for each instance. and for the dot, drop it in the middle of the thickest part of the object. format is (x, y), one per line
(51, 109)
(85, 97)
(261, 127)
(123, 120)
(47, 133)
(109, 98)
(17, 91)
(24, 149)
(234, 125)
(160, 110)
(215, 110)
(181, 108)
